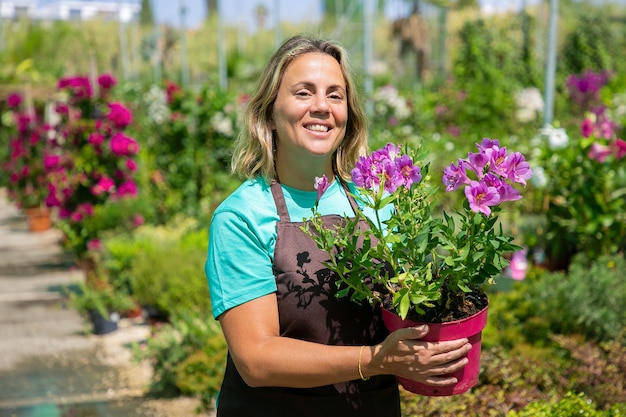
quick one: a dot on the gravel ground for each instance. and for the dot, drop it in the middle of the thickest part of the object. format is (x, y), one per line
(47, 359)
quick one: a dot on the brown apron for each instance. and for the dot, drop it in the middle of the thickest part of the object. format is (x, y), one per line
(309, 310)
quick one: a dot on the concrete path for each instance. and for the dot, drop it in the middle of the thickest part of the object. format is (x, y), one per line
(48, 362)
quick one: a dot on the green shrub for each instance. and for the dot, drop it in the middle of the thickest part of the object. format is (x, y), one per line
(176, 351)
(163, 266)
(589, 300)
(571, 405)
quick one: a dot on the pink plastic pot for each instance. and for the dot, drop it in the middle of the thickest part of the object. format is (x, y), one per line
(470, 327)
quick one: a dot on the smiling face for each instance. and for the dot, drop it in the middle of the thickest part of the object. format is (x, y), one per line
(310, 116)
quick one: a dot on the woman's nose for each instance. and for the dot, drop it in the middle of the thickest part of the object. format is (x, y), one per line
(320, 104)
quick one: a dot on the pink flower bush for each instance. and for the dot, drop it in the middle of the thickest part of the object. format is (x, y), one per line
(29, 149)
(93, 161)
(411, 260)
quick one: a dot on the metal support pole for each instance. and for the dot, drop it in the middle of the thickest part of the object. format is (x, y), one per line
(184, 67)
(548, 114)
(368, 52)
(221, 50)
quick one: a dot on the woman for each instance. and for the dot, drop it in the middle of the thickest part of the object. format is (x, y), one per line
(294, 348)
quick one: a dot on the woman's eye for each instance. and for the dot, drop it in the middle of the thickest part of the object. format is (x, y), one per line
(303, 93)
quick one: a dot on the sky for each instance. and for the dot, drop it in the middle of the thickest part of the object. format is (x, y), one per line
(242, 11)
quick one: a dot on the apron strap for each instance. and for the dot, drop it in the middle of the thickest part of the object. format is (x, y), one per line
(279, 199)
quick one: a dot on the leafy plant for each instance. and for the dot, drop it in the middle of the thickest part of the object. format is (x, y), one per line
(104, 300)
(571, 405)
(165, 271)
(588, 300)
(173, 354)
(585, 179)
(414, 261)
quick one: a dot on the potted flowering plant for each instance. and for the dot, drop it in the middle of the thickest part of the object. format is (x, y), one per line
(28, 177)
(419, 266)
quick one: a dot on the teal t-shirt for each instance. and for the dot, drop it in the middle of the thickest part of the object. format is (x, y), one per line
(242, 236)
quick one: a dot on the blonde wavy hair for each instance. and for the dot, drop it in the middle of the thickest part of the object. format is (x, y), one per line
(253, 153)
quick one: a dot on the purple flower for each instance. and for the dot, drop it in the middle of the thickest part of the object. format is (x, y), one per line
(409, 173)
(481, 197)
(454, 176)
(488, 143)
(518, 169)
(321, 185)
(477, 162)
(508, 193)
(364, 174)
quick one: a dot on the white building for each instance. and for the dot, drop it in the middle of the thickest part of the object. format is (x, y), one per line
(16, 9)
(116, 10)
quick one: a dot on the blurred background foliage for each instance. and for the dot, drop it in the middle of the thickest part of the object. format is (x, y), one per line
(555, 341)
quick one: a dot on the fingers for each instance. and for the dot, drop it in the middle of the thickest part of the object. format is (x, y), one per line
(431, 363)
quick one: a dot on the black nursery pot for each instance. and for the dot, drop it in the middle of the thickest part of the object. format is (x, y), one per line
(102, 325)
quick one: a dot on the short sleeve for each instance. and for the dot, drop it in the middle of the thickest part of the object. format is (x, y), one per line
(239, 263)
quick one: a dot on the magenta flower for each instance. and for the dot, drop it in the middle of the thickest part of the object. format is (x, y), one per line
(94, 245)
(619, 148)
(599, 152)
(104, 185)
(119, 115)
(586, 128)
(96, 138)
(131, 165)
(321, 185)
(80, 86)
(14, 100)
(50, 162)
(128, 188)
(107, 81)
(138, 220)
(481, 197)
(122, 145)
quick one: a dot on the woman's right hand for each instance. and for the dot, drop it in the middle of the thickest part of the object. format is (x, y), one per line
(404, 355)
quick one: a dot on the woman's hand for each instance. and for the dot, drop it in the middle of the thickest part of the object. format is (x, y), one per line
(402, 354)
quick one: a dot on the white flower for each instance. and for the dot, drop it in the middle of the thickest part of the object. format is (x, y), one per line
(557, 137)
(529, 103)
(222, 124)
(156, 103)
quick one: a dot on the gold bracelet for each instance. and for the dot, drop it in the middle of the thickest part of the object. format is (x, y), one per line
(360, 371)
